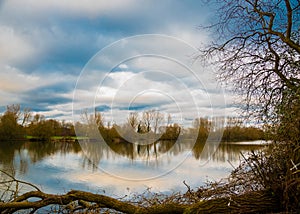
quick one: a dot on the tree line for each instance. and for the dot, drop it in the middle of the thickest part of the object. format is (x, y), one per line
(18, 124)
(256, 51)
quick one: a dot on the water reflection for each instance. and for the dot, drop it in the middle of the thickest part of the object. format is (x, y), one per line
(7, 152)
(39, 150)
(70, 162)
(96, 151)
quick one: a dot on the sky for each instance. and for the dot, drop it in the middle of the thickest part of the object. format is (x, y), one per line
(59, 57)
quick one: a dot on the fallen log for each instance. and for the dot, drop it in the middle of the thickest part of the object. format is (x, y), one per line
(253, 202)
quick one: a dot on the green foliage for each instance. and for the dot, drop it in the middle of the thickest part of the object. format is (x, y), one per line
(43, 130)
(203, 126)
(46, 129)
(171, 133)
(110, 134)
(10, 130)
(238, 133)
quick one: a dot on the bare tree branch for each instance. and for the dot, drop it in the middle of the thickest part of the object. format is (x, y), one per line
(257, 49)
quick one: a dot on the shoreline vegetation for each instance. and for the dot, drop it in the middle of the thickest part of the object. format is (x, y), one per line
(255, 50)
(145, 127)
(212, 198)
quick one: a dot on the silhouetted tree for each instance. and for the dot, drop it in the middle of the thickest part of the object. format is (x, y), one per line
(257, 51)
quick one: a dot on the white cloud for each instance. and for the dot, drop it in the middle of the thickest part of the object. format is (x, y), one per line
(13, 80)
(189, 33)
(8, 98)
(49, 35)
(14, 46)
(123, 66)
(90, 8)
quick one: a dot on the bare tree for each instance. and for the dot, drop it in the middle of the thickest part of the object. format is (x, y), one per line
(37, 118)
(133, 119)
(147, 119)
(15, 110)
(152, 119)
(92, 124)
(158, 118)
(98, 118)
(258, 51)
(92, 119)
(169, 120)
(26, 116)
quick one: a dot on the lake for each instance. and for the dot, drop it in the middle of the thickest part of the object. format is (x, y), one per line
(119, 169)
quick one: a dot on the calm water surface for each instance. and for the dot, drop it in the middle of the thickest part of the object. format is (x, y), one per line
(120, 169)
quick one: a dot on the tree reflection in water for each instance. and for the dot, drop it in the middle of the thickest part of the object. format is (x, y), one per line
(17, 156)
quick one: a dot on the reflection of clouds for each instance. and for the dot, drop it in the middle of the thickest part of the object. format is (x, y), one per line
(60, 171)
(71, 162)
(189, 171)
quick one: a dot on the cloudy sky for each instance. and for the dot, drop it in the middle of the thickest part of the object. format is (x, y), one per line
(117, 56)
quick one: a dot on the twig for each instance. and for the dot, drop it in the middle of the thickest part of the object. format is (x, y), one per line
(19, 181)
(188, 187)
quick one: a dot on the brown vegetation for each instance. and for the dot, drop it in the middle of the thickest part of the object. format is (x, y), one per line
(258, 52)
